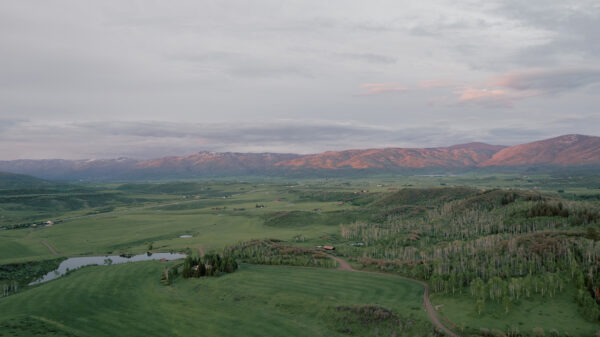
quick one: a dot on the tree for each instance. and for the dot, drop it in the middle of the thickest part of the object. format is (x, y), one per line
(479, 306)
(506, 302)
(187, 267)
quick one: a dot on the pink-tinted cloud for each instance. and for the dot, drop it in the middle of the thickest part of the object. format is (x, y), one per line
(485, 96)
(547, 81)
(505, 89)
(380, 88)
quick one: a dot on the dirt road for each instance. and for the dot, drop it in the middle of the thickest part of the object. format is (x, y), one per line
(50, 248)
(344, 265)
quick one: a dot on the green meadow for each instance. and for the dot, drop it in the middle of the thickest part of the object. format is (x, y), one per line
(129, 300)
(389, 215)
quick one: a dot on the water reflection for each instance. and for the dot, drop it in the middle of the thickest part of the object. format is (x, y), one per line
(78, 262)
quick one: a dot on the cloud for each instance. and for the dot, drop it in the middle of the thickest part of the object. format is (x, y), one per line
(506, 89)
(571, 27)
(550, 81)
(430, 84)
(243, 65)
(153, 139)
(485, 97)
(369, 57)
(381, 88)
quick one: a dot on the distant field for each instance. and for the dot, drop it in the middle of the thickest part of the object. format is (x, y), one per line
(198, 208)
(129, 300)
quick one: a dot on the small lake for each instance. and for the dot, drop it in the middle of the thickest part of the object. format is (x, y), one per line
(73, 263)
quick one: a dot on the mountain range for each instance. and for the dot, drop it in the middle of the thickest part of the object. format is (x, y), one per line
(560, 152)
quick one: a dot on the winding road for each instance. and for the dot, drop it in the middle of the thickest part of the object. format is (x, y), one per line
(344, 265)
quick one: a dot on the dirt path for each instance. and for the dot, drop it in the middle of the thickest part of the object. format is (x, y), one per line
(50, 248)
(344, 265)
(200, 250)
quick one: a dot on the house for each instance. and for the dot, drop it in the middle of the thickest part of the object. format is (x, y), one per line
(329, 247)
(49, 223)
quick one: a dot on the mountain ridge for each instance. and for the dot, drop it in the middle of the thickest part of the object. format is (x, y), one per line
(563, 151)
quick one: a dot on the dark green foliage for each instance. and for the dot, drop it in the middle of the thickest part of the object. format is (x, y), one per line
(16, 276)
(279, 253)
(400, 211)
(374, 320)
(424, 196)
(577, 215)
(306, 218)
(588, 306)
(208, 265)
(24, 273)
(547, 209)
(592, 234)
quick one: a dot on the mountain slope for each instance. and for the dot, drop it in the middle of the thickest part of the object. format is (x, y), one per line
(563, 151)
(465, 155)
(207, 162)
(568, 150)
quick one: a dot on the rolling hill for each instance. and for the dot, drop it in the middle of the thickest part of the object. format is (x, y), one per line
(21, 181)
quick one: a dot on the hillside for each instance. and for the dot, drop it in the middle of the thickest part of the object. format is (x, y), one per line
(563, 151)
(465, 155)
(216, 162)
(21, 181)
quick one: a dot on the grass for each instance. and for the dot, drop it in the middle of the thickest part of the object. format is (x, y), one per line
(257, 300)
(559, 313)
(213, 223)
(128, 300)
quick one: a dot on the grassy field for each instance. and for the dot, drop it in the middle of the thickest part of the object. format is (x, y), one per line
(558, 313)
(128, 300)
(268, 300)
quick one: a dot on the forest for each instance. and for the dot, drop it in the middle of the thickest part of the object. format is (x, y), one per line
(498, 246)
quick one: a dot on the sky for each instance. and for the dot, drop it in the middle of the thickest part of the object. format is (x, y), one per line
(145, 79)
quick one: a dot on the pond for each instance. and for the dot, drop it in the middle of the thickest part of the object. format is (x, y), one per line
(78, 262)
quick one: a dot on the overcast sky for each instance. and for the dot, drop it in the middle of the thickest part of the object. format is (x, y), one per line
(102, 79)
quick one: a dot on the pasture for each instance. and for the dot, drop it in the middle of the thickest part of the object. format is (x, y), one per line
(129, 300)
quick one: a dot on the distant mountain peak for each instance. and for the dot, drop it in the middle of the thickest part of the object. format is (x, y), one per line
(564, 150)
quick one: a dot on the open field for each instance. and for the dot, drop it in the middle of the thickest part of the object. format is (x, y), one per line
(254, 301)
(556, 314)
(446, 231)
